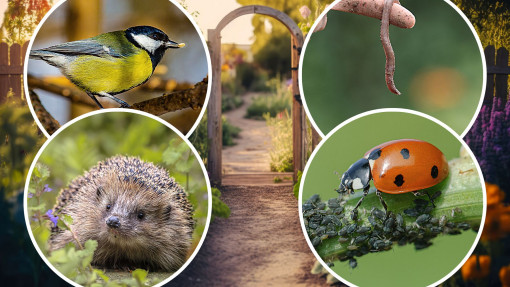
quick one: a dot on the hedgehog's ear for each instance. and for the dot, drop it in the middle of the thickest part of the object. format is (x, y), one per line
(167, 212)
(99, 192)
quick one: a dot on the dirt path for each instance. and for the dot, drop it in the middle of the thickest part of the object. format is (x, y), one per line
(251, 153)
(260, 244)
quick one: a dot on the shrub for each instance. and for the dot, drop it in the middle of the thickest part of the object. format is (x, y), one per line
(278, 101)
(219, 208)
(199, 137)
(281, 141)
(230, 102)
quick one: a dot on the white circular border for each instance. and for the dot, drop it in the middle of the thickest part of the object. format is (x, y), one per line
(190, 18)
(477, 39)
(114, 110)
(394, 110)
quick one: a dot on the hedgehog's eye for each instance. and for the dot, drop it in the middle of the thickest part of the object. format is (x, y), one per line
(108, 206)
(141, 215)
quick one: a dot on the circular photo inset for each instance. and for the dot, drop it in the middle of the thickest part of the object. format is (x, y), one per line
(392, 198)
(149, 56)
(430, 55)
(117, 197)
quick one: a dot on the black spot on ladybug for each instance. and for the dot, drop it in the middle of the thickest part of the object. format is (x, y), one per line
(434, 172)
(405, 153)
(399, 180)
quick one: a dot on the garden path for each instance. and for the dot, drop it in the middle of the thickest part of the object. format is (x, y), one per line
(260, 244)
(251, 152)
(247, 162)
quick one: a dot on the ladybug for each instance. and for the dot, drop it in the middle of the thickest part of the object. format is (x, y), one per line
(398, 166)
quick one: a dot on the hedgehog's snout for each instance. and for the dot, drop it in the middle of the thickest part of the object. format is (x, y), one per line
(113, 222)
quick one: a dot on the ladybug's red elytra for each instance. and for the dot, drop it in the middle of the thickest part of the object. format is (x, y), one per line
(399, 166)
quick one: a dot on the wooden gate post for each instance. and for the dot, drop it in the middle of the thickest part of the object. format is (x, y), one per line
(214, 127)
(298, 113)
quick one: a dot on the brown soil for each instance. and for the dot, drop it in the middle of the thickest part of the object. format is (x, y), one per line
(260, 244)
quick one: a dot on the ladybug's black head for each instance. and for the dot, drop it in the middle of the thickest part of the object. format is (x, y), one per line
(358, 176)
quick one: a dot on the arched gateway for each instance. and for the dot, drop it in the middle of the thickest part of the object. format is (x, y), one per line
(214, 129)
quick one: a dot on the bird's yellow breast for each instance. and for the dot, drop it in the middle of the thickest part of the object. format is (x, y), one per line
(109, 74)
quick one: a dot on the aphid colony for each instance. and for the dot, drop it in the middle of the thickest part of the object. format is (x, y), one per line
(378, 231)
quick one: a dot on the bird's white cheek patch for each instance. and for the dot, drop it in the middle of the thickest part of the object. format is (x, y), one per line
(356, 183)
(149, 44)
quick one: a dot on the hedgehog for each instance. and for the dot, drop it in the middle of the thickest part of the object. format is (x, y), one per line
(139, 216)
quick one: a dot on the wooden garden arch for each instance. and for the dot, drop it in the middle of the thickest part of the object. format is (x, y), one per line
(214, 129)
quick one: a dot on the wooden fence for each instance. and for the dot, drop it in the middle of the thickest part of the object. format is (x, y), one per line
(11, 69)
(497, 73)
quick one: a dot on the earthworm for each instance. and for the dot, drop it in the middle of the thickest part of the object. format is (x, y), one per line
(388, 50)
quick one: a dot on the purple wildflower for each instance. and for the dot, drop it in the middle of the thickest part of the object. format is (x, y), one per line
(53, 218)
(489, 138)
(47, 189)
(30, 195)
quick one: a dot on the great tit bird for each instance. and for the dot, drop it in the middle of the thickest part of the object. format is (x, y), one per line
(110, 63)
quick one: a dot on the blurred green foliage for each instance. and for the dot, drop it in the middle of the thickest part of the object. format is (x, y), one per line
(280, 129)
(20, 264)
(20, 142)
(21, 18)
(279, 100)
(271, 47)
(219, 208)
(438, 67)
(199, 136)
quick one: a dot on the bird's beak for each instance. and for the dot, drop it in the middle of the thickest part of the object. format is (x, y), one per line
(174, 45)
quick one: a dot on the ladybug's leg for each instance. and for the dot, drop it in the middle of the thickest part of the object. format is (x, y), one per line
(419, 193)
(382, 201)
(354, 214)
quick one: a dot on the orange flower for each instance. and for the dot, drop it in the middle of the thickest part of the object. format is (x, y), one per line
(476, 267)
(504, 276)
(497, 223)
(494, 194)
(497, 220)
(225, 67)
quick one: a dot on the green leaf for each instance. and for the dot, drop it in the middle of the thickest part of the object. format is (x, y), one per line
(67, 219)
(101, 274)
(41, 171)
(298, 183)
(140, 275)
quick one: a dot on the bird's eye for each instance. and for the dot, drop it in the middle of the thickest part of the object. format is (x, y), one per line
(108, 206)
(141, 215)
(156, 36)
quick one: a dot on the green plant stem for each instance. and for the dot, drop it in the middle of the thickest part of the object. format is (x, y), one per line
(461, 201)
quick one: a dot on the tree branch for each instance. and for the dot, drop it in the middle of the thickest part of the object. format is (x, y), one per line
(49, 123)
(74, 95)
(191, 98)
